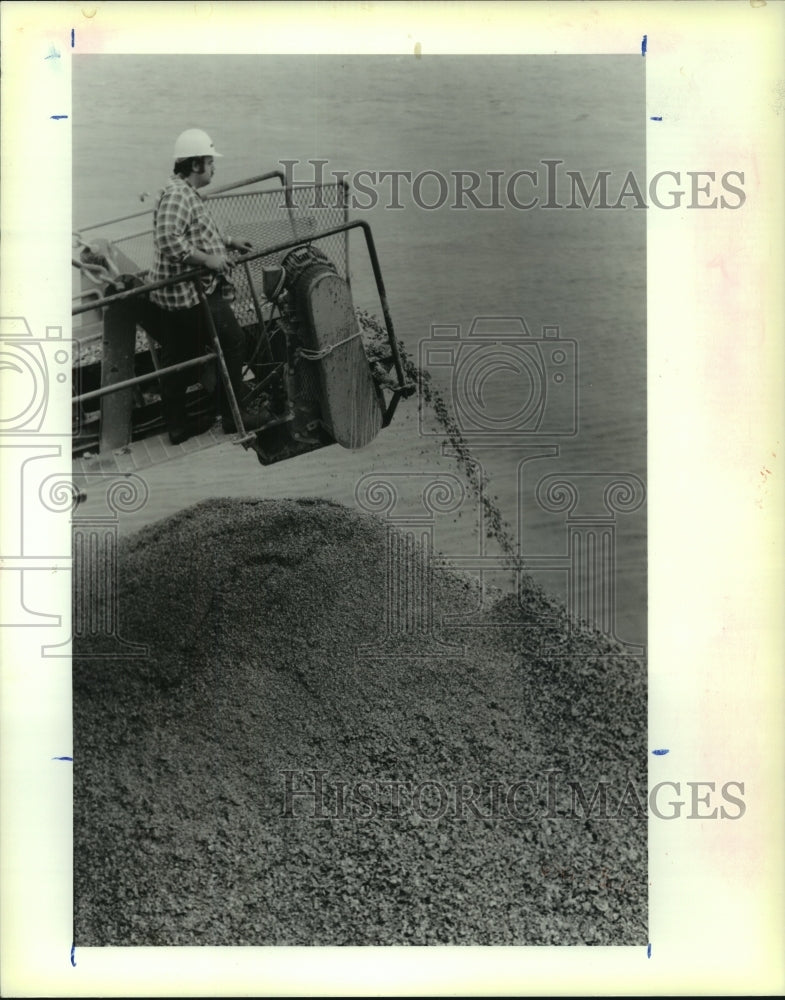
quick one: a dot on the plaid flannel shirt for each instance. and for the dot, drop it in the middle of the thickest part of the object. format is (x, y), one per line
(181, 224)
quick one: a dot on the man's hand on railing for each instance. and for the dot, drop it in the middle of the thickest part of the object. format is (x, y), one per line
(215, 261)
(244, 246)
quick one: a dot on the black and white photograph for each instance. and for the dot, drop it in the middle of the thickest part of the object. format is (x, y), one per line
(364, 643)
(328, 702)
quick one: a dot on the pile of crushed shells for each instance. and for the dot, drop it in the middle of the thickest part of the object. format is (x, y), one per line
(330, 742)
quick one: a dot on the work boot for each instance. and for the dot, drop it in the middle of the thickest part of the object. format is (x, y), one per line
(191, 427)
(179, 433)
(173, 411)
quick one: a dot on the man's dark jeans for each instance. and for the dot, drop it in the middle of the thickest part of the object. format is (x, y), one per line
(184, 334)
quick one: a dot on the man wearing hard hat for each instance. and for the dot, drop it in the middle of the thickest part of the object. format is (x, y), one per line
(186, 236)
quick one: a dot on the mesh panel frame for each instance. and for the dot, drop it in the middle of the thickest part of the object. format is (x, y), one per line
(264, 218)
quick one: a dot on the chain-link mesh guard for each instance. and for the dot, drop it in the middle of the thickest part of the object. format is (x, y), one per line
(266, 218)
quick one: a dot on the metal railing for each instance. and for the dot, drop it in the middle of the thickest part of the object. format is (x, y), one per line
(270, 175)
(130, 383)
(246, 259)
(302, 213)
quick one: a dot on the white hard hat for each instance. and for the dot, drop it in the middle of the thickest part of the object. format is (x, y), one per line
(194, 142)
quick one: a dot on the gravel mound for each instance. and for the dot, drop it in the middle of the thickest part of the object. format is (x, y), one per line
(289, 767)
